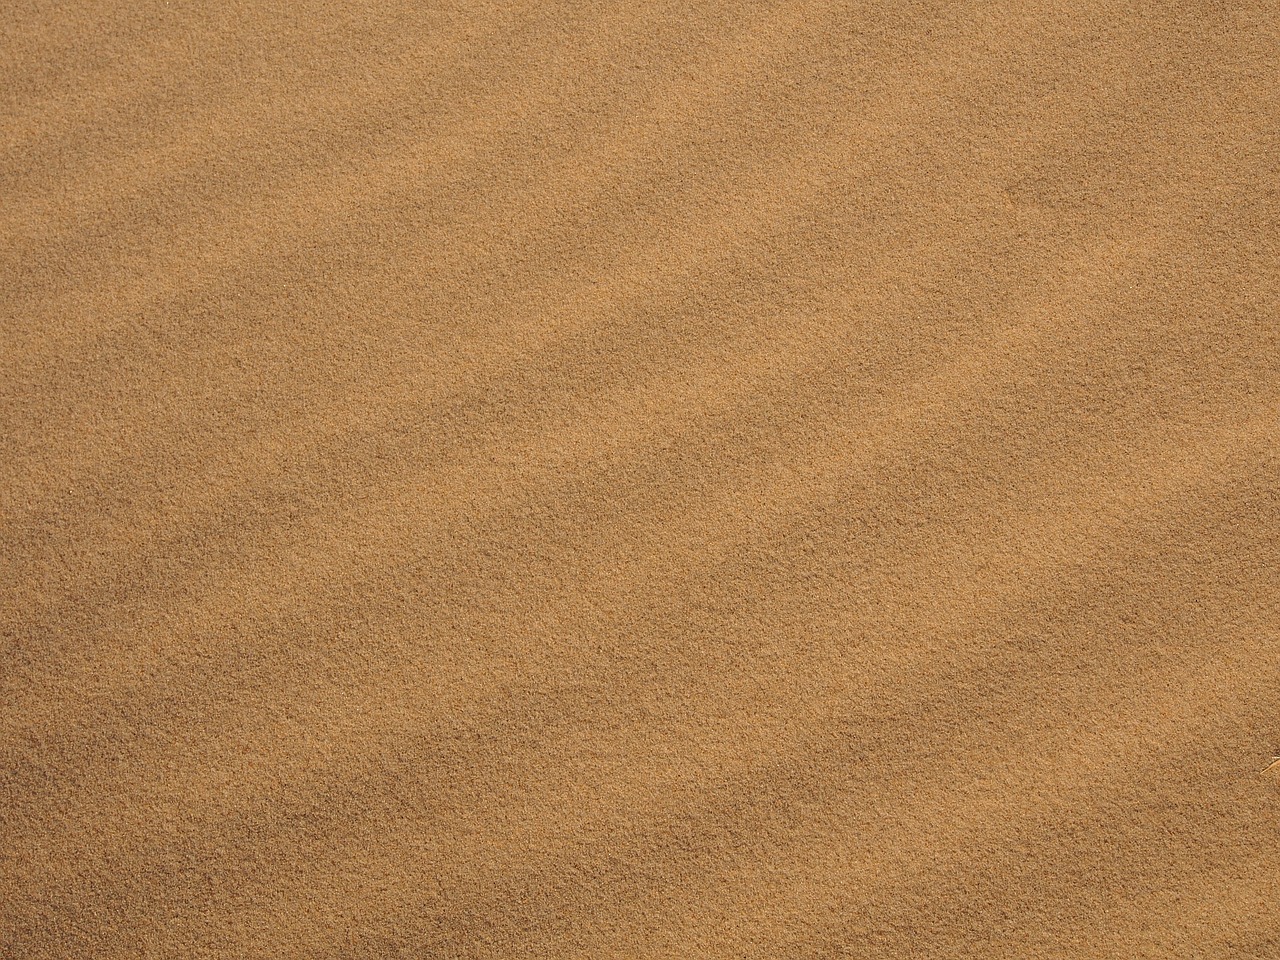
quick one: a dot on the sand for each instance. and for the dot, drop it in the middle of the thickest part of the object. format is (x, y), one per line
(682, 480)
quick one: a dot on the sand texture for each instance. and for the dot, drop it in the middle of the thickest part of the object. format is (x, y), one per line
(643, 480)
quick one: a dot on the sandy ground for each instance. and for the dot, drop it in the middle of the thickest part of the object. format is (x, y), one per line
(685, 480)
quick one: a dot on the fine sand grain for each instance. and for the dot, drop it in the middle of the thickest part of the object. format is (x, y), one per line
(639, 480)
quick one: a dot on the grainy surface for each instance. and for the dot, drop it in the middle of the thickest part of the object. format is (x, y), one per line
(650, 479)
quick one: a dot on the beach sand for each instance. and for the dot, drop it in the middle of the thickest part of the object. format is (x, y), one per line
(648, 480)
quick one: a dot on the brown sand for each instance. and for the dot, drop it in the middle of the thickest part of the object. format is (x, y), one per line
(652, 479)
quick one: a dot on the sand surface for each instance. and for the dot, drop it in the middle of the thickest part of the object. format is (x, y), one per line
(639, 480)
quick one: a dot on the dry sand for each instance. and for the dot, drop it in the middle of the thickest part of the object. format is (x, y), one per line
(652, 479)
